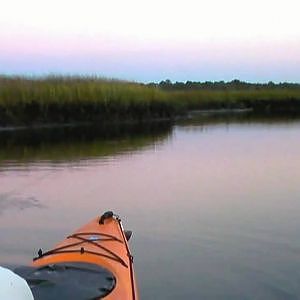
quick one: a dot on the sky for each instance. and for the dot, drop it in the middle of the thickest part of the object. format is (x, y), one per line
(141, 40)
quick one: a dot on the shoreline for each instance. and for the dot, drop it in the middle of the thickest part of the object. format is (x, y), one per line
(81, 124)
(189, 115)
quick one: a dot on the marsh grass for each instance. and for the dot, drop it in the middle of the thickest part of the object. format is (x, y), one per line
(55, 99)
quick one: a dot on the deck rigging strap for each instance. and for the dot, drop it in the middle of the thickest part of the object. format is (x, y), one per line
(82, 240)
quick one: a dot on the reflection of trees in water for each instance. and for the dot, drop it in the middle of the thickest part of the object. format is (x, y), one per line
(12, 201)
(79, 142)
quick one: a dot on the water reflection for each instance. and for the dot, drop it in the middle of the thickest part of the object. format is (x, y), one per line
(18, 202)
(213, 202)
(204, 119)
(75, 143)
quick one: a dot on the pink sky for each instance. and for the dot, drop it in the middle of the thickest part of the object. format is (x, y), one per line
(190, 40)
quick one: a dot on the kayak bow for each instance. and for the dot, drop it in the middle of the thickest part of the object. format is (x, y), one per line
(93, 263)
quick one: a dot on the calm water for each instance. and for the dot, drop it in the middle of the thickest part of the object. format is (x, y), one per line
(214, 204)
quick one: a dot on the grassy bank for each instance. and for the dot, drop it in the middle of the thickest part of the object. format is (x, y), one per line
(78, 99)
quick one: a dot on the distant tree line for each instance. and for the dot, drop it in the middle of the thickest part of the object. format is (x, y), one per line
(222, 85)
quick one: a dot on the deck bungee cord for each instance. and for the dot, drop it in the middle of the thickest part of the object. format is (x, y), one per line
(82, 242)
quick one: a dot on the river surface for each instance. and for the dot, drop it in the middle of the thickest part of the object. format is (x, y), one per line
(214, 204)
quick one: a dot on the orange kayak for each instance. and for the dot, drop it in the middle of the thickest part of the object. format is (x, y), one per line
(92, 263)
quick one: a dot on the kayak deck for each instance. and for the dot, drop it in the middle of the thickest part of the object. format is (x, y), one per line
(98, 250)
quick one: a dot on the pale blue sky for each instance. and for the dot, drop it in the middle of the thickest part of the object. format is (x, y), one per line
(153, 40)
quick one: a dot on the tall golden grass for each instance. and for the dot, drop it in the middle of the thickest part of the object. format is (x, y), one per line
(25, 100)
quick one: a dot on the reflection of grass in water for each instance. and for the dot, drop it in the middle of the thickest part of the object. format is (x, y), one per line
(79, 150)
(66, 144)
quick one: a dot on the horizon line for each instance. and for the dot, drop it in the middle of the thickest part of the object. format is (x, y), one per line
(36, 76)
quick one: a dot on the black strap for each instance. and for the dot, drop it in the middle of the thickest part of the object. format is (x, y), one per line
(81, 242)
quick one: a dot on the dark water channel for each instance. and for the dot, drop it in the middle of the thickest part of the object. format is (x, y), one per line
(214, 203)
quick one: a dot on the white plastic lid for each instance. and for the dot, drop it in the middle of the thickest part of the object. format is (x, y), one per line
(13, 287)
